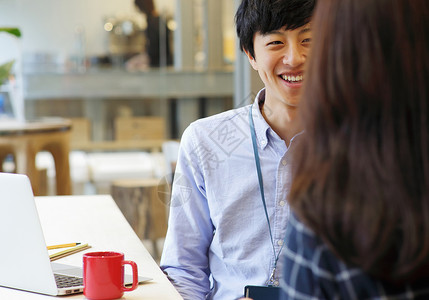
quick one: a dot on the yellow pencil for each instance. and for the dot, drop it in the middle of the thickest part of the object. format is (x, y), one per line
(68, 252)
(62, 246)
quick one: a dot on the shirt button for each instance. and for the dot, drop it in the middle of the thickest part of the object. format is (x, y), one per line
(263, 142)
(284, 162)
(282, 203)
(276, 283)
(280, 242)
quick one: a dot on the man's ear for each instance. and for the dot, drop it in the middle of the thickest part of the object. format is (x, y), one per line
(252, 60)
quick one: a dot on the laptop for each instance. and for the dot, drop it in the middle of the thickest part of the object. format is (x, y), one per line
(24, 258)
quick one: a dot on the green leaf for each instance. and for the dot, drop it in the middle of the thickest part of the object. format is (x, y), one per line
(14, 31)
(5, 70)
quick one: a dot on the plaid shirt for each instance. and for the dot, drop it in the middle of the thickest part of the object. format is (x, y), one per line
(311, 271)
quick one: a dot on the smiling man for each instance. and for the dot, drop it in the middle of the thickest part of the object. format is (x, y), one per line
(228, 210)
(279, 56)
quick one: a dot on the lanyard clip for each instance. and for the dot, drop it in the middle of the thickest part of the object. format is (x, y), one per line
(272, 281)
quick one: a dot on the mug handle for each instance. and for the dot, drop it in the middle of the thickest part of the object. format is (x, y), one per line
(135, 276)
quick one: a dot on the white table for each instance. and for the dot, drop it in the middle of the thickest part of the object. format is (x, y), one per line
(96, 220)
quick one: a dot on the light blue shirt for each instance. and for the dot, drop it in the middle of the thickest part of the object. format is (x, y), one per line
(218, 239)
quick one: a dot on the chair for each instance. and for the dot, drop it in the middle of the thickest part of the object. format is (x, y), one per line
(137, 128)
(80, 131)
(140, 198)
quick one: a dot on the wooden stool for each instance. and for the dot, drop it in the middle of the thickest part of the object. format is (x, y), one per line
(25, 140)
(139, 201)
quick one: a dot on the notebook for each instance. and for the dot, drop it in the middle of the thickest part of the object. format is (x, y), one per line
(24, 258)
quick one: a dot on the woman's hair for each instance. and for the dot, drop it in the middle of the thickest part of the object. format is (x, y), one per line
(361, 171)
(267, 15)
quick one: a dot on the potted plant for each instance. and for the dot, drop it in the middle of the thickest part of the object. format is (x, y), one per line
(8, 98)
(6, 67)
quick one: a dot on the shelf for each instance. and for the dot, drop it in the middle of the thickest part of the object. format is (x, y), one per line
(111, 84)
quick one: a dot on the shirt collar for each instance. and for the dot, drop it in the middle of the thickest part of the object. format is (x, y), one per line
(263, 131)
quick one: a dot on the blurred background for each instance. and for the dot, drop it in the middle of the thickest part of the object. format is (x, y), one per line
(99, 39)
(105, 89)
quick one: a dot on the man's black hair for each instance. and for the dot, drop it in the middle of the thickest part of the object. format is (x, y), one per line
(267, 15)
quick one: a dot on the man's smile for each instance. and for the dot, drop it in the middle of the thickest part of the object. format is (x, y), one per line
(293, 78)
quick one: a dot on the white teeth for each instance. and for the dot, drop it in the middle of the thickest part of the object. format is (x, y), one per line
(292, 78)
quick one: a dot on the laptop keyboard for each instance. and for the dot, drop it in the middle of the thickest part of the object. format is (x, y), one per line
(64, 281)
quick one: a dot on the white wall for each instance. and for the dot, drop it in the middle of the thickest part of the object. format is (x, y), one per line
(49, 26)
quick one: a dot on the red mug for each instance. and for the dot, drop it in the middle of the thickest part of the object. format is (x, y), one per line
(103, 275)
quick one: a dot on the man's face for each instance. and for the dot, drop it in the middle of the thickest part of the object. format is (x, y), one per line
(279, 59)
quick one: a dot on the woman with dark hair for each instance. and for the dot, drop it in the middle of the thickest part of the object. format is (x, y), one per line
(361, 170)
